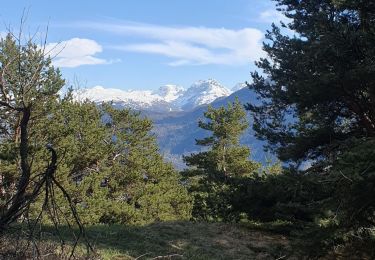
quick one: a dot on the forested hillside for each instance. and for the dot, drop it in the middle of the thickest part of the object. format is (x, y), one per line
(176, 133)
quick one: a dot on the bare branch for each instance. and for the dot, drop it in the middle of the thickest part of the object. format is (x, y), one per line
(5, 104)
(345, 176)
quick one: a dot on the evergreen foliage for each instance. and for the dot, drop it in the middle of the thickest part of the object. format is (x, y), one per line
(28, 82)
(318, 85)
(318, 105)
(108, 160)
(111, 165)
(212, 172)
(317, 94)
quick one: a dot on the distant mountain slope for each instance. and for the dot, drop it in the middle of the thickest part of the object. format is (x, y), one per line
(200, 93)
(176, 133)
(166, 99)
(176, 111)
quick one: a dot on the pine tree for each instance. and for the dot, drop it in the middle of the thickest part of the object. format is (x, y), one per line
(78, 135)
(142, 187)
(318, 104)
(112, 169)
(28, 82)
(318, 85)
(111, 165)
(211, 171)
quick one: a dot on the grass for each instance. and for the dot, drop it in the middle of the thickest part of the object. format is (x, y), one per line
(180, 240)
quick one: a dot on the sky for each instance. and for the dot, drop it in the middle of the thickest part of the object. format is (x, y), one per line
(144, 44)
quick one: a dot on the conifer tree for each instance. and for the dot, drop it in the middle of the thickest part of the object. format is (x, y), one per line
(112, 169)
(318, 85)
(211, 171)
(142, 187)
(111, 164)
(28, 82)
(318, 103)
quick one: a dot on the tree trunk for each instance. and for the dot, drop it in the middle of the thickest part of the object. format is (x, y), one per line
(18, 201)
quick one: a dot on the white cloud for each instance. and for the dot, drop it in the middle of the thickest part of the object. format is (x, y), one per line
(189, 45)
(75, 52)
(3, 34)
(273, 16)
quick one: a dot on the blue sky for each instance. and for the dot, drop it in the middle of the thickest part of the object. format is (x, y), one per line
(143, 44)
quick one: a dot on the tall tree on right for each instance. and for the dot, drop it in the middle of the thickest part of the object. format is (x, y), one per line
(318, 86)
(317, 95)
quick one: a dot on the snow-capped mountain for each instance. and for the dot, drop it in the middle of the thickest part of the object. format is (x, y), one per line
(166, 98)
(170, 93)
(176, 132)
(239, 86)
(202, 92)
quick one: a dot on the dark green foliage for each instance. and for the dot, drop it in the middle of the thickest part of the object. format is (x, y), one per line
(289, 196)
(354, 190)
(333, 206)
(141, 185)
(28, 82)
(108, 160)
(225, 157)
(318, 88)
(111, 165)
(318, 104)
(213, 171)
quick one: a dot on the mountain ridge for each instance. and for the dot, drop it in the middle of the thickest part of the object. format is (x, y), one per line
(175, 113)
(167, 98)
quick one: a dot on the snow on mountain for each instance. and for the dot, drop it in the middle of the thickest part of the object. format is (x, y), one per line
(239, 86)
(166, 98)
(170, 93)
(133, 98)
(202, 92)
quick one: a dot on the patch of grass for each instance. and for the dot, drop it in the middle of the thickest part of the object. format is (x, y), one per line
(278, 227)
(191, 240)
(180, 240)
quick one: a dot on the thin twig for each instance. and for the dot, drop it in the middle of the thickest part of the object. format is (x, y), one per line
(167, 256)
(345, 176)
(139, 257)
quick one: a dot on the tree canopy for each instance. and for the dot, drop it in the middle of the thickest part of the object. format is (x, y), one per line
(212, 171)
(107, 159)
(318, 84)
